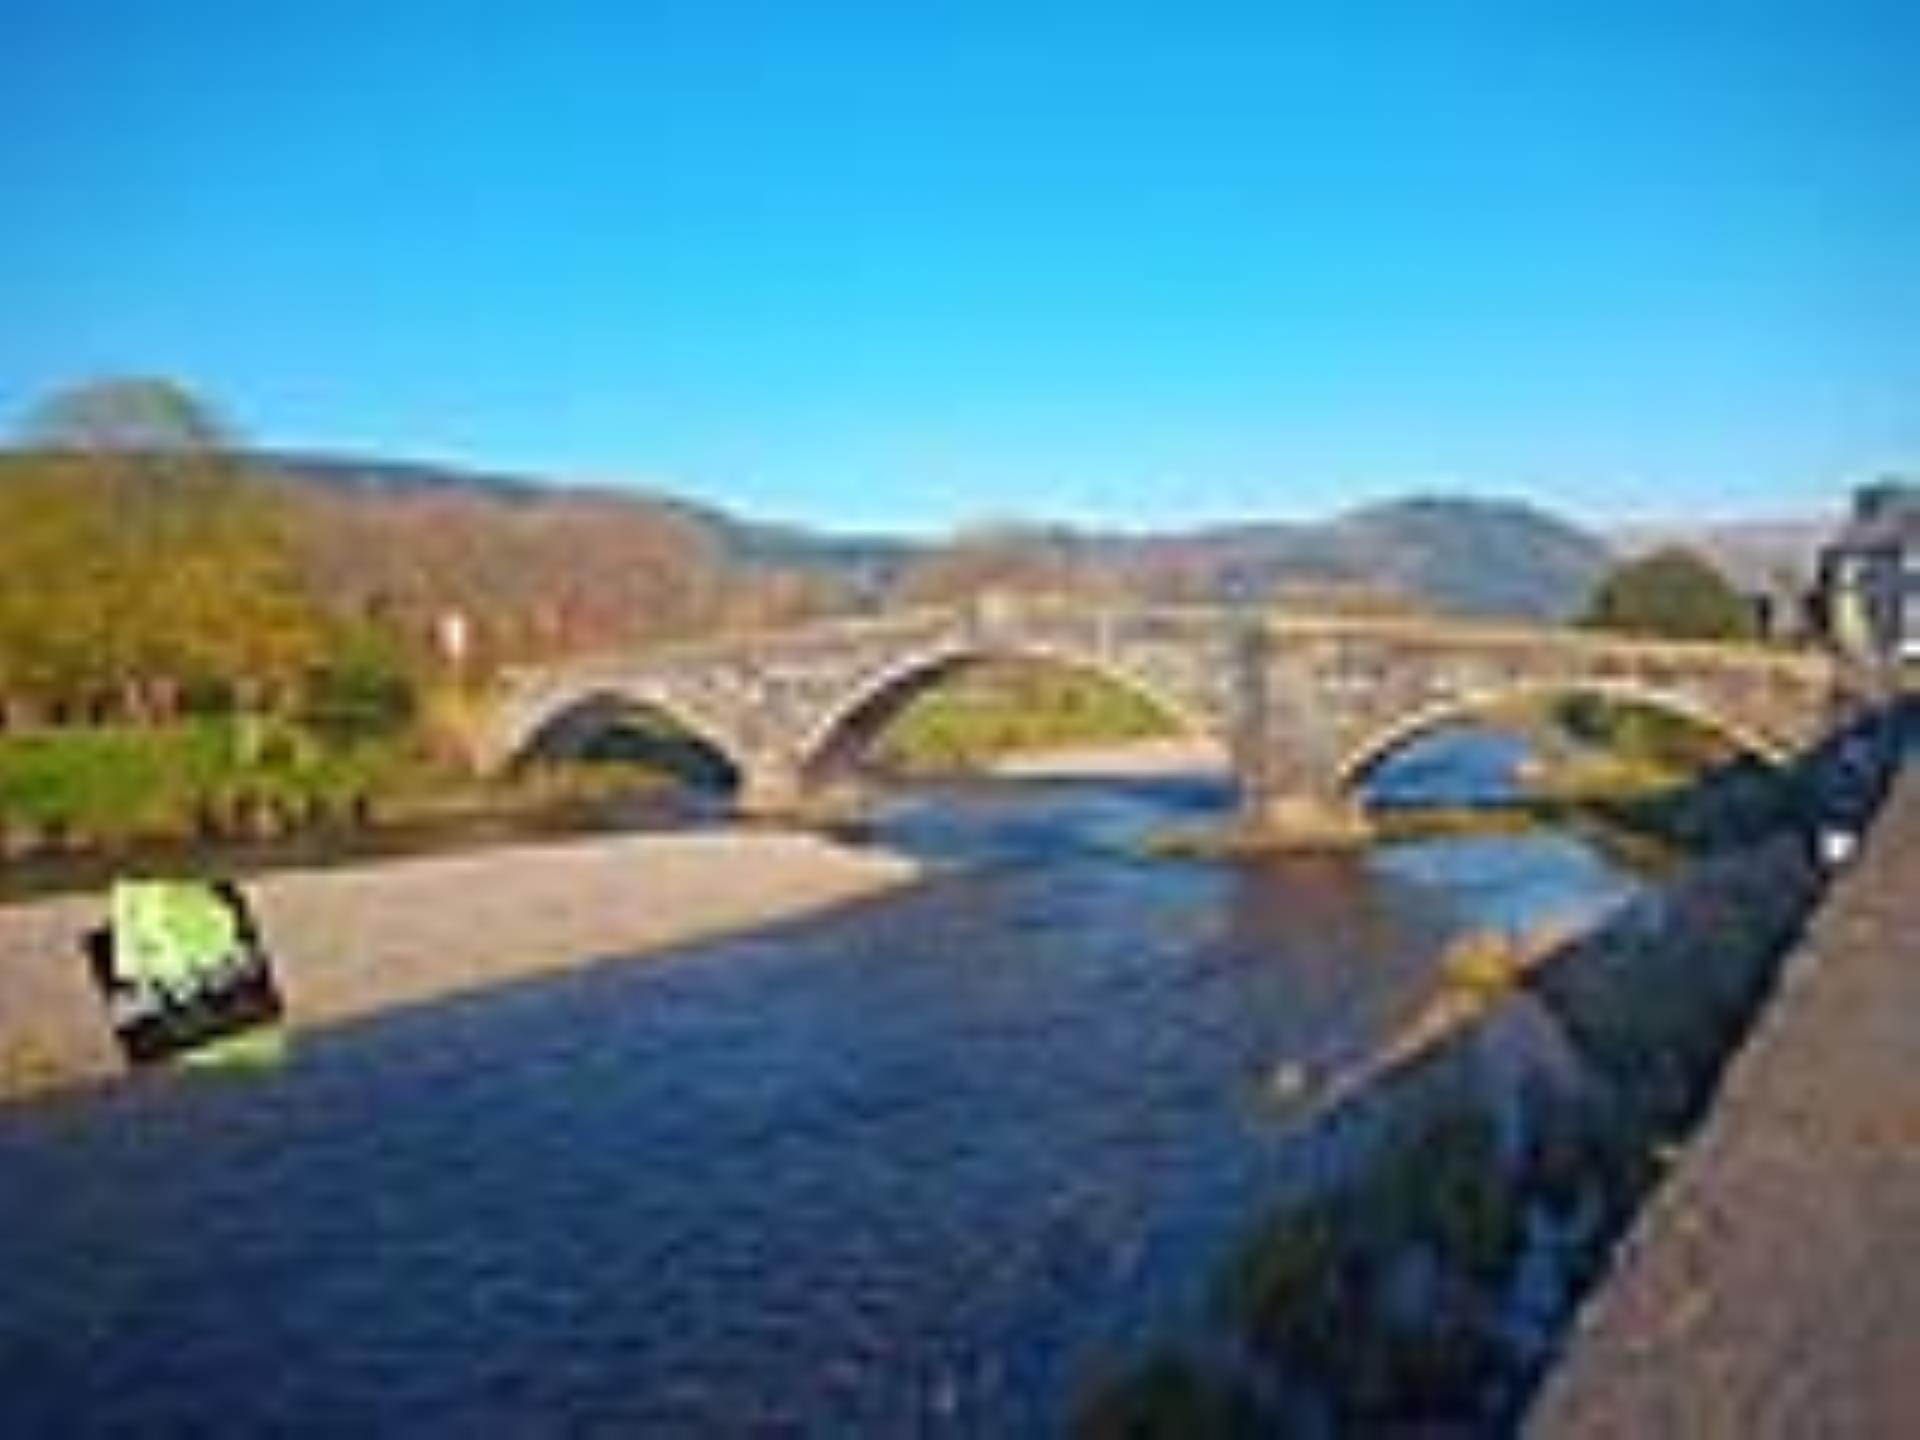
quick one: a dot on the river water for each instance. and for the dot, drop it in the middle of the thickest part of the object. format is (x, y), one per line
(937, 1163)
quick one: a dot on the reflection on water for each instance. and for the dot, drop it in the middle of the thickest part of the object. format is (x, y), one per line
(1454, 766)
(933, 1163)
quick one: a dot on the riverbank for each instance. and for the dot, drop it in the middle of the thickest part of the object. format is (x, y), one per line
(353, 941)
(1451, 1198)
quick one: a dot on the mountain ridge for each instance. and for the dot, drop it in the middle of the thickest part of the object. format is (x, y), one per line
(1462, 554)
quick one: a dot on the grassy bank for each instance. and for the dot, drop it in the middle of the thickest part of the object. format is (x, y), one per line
(76, 788)
(1638, 799)
(212, 779)
(991, 711)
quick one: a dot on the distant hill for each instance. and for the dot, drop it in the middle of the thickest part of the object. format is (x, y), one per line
(867, 560)
(372, 477)
(1469, 556)
(609, 564)
(1472, 557)
(1476, 556)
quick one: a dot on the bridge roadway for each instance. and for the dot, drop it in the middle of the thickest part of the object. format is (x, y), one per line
(1304, 705)
(1772, 1287)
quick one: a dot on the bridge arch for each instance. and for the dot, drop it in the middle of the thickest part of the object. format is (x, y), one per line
(602, 705)
(858, 714)
(1381, 742)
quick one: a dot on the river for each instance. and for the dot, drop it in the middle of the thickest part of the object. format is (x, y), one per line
(937, 1163)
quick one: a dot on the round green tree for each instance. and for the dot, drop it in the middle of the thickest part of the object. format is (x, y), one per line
(1673, 593)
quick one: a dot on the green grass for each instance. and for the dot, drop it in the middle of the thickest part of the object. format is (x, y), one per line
(88, 777)
(1310, 1288)
(126, 782)
(104, 788)
(996, 710)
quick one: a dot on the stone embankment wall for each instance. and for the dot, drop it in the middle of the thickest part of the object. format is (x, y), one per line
(354, 941)
(1772, 1288)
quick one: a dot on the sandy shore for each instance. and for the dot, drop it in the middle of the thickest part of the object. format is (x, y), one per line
(357, 940)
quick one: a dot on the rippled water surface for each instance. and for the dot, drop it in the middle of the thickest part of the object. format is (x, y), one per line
(933, 1163)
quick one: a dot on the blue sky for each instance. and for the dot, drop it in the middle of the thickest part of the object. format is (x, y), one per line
(916, 265)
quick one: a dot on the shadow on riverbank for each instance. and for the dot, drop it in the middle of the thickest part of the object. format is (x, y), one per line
(352, 941)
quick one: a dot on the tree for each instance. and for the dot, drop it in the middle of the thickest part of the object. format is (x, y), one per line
(1673, 593)
(56, 599)
(534, 578)
(139, 563)
(363, 690)
(128, 414)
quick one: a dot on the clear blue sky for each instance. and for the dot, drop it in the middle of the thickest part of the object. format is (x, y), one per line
(910, 264)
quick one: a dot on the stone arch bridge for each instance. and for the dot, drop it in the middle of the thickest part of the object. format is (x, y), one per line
(1302, 705)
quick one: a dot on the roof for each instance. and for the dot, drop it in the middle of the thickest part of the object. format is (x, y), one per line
(1884, 516)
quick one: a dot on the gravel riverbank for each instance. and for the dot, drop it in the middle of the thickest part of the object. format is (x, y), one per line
(353, 941)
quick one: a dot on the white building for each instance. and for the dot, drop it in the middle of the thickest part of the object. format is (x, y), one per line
(1868, 590)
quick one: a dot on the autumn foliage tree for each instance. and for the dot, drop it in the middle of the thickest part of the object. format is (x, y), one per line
(532, 580)
(149, 566)
(141, 567)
